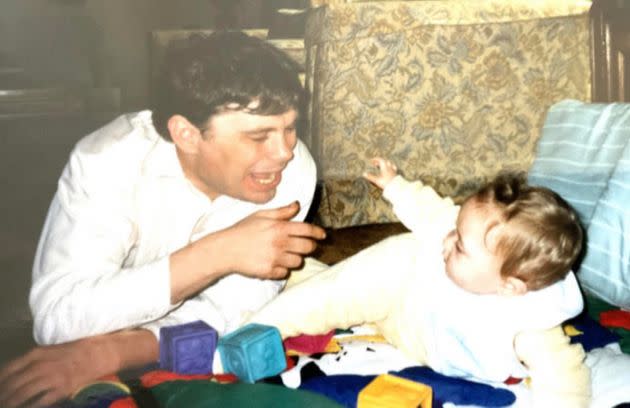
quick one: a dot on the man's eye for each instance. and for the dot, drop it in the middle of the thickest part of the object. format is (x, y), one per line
(259, 138)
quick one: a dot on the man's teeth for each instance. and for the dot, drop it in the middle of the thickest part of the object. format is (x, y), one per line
(266, 180)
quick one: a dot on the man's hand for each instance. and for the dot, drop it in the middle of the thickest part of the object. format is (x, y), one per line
(386, 171)
(267, 244)
(264, 245)
(48, 374)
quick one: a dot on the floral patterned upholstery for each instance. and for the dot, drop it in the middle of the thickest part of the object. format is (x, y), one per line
(452, 91)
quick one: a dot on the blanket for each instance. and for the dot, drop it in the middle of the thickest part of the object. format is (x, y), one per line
(332, 370)
(583, 154)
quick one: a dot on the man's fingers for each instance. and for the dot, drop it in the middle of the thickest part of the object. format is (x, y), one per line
(305, 230)
(300, 246)
(279, 272)
(290, 261)
(13, 376)
(25, 389)
(13, 367)
(281, 213)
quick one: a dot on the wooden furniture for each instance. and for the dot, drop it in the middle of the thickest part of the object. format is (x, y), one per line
(57, 101)
(610, 35)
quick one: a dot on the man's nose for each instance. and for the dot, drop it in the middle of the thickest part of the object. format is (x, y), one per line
(281, 148)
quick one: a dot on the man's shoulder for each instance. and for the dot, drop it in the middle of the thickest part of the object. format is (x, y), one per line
(123, 133)
(114, 152)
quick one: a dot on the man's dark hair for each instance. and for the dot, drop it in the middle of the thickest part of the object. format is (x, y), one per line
(203, 75)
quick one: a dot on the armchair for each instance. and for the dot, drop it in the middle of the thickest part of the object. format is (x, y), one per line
(452, 91)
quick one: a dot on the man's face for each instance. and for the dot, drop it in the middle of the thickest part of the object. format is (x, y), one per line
(242, 155)
(468, 251)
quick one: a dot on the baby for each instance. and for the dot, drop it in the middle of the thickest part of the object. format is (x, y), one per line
(476, 291)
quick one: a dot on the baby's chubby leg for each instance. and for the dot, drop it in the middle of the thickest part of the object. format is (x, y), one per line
(360, 289)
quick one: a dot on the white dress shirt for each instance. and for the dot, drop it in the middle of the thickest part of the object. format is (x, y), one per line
(122, 206)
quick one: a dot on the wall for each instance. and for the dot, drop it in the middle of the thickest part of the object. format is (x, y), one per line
(91, 43)
(86, 44)
(107, 37)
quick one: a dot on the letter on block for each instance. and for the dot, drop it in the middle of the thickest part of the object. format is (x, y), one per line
(253, 352)
(391, 391)
(188, 348)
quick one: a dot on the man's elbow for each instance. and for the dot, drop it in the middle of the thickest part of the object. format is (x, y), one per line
(54, 323)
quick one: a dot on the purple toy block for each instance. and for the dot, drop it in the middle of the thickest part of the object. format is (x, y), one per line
(188, 348)
(253, 352)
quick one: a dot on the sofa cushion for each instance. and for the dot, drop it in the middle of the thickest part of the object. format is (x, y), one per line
(584, 155)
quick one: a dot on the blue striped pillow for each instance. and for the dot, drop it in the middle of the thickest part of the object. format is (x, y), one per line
(583, 155)
(605, 269)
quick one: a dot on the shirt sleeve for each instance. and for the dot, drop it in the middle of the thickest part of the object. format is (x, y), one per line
(80, 286)
(420, 208)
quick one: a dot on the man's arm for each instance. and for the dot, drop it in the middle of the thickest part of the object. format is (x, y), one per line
(264, 245)
(51, 373)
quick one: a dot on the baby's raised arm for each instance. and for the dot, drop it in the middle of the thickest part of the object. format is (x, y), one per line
(419, 207)
(386, 171)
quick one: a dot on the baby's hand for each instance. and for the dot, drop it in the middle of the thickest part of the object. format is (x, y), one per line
(386, 171)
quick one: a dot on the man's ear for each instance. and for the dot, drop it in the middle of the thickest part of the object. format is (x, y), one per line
(184, 134)
(512, 286)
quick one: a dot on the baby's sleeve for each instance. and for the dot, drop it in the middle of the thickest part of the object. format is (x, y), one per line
(559, 376)
(419, 207)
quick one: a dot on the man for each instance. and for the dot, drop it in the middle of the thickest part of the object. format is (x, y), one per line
(183, 213)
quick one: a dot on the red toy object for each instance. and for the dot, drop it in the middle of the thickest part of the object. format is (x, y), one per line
(308, 344)
(124, 403)
(512, 381)
(153, 378)
(615, 318)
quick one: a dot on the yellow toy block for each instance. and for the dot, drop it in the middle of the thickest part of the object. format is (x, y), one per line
(390, 391)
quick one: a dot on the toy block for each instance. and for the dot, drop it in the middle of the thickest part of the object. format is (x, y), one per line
(253, 352)
(188, 348)
(390, 391)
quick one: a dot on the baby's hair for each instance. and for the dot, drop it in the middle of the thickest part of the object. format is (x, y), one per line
(541, 236)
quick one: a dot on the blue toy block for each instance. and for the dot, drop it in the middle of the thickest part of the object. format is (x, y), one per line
(253, 352)
(188, 348)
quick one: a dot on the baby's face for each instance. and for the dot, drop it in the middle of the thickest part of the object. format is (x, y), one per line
(468, 251)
